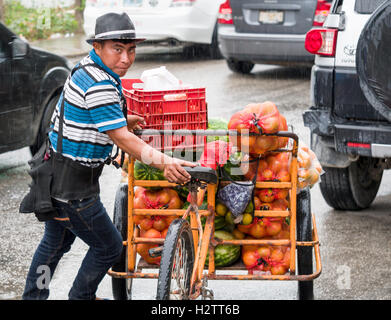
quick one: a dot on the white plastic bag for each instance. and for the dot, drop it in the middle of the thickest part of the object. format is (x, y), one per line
(159, 79)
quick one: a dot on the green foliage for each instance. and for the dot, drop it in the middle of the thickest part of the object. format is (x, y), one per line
(39, 23)
(217, 124)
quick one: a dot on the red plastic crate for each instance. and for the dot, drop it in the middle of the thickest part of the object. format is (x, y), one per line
(170, 110)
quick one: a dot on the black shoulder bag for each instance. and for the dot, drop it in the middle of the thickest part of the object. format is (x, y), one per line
(39, 200)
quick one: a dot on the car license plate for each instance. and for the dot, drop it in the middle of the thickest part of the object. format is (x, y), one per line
(271, 17)
(133, 3)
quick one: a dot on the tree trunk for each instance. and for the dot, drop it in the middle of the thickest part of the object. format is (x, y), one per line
(79, 11)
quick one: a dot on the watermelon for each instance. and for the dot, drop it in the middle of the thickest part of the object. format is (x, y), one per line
(219, 222)
(143, 171)
(182, 191)
(225, 254)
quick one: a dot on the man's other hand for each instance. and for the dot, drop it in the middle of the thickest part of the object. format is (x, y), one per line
(174, 171)
(134, 122)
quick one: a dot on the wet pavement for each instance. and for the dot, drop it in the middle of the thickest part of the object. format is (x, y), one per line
(354, 245)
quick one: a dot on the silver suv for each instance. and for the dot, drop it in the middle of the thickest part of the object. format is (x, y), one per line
(267, 31)
(349, 115)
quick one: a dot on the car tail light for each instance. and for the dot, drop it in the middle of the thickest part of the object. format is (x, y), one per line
(358, 145)
(182, 3)
(225, 14)
(321, 41)
(321, 12)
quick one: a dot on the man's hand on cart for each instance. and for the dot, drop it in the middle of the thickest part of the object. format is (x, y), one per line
(134, 122)
(174, 171)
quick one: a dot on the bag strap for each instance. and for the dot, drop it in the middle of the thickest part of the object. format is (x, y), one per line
(110, 159)
(60, 126)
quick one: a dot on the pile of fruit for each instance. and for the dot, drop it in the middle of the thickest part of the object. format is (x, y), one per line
(258, 118)
(274, 259)
(272, 165)
(309, 168)
(276, 166)
(154, 226)
(239, 153)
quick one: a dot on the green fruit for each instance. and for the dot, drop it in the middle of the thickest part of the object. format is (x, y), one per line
(221, 209)
(229, 219)
(249, 208)
(247, 219)
(225, 254)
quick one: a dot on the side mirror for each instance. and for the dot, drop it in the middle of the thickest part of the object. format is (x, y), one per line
(19, 48)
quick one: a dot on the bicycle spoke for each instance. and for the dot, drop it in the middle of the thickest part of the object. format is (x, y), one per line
(174, 283)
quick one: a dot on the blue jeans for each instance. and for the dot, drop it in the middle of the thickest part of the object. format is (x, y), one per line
(88, 220)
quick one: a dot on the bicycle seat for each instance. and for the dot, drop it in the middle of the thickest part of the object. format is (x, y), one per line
(203, 174)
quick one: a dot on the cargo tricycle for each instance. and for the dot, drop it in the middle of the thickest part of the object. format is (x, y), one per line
(184, 251)
(183, 260)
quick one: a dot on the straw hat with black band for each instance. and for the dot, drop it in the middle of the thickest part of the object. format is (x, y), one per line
(114, 26)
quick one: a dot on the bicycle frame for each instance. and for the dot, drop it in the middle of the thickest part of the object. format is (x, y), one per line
(204, 242)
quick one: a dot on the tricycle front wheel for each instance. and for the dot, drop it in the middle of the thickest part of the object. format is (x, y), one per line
(177, 262)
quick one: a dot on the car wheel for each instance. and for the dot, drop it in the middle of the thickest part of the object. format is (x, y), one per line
(214, 50)
(45, 123)
(240, 66)
(354, 187)
(194, 51)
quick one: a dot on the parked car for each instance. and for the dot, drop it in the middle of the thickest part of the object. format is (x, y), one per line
(31, 81)
(267, 31)
(350, 133)
(164, 22)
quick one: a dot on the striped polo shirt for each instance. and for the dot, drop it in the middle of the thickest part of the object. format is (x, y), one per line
(93, 105)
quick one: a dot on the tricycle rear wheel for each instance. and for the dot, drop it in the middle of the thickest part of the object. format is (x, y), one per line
(304, 254)
(122, 288)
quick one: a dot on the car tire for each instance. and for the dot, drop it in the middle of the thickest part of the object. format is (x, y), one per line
(214, 50)
(44, 125)
(244, 67)
(351, 188)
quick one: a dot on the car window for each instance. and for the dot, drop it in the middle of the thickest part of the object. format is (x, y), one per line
(367, 6)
